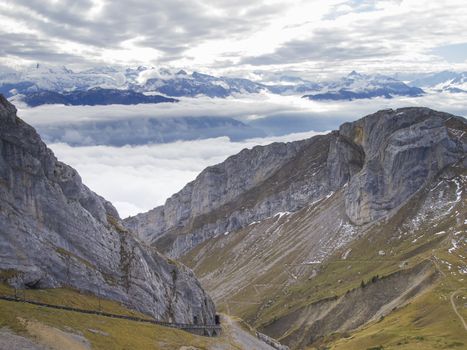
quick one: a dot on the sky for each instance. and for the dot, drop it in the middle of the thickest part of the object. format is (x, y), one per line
(239, 37)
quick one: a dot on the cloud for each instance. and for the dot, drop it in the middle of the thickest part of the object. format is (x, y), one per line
(168, 26)
(229, 36)
(32, 47)
(372, 36)
(325, 44)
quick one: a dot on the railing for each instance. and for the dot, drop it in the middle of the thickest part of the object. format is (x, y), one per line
(205, 329)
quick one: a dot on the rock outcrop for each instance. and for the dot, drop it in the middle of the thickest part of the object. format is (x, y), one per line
(404, 149)
(383, 158)
(55, 232)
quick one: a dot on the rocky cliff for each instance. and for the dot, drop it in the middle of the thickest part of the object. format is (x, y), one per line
(379, 222)
(55, 232)
(382, 159)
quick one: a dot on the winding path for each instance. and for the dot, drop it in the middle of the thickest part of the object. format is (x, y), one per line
(454, 307)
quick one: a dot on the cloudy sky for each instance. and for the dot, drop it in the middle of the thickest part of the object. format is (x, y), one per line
(224, 36)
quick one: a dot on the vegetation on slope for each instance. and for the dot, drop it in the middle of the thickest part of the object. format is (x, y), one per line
(429, 229)
(101, 332)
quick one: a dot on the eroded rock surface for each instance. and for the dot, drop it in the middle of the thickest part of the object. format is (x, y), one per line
(56, 232)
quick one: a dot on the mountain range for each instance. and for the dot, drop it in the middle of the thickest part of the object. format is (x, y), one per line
(47, 85)
(447, 81)
(313, 241)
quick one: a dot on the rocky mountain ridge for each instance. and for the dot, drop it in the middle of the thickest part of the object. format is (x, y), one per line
(55, 232)
(382, 160)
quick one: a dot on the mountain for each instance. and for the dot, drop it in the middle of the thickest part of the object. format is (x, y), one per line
(361, 86)
(347, 240)
(55, 232)
(182, 84)
(92, 97)
(443, 81)
(39, 83)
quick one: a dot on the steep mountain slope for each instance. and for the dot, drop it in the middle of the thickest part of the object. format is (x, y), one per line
(322, 236)
(56, 232)
(258, 183)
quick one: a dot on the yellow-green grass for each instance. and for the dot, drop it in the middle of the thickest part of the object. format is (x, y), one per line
(337, 276)
(70, 298)
(101, 332)
(429, 322)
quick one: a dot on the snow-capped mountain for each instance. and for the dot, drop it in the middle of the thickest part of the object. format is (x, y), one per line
(184, 84)
(359, 86)
(44, 81)
(61, 79)
(443, 81)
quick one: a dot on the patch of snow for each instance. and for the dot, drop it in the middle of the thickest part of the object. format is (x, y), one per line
(454, 246)
(440, 232)
(226, 233)
(312, 262)
(282, 213)
(346, 254)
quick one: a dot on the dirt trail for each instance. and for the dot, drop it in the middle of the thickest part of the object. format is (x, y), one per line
(454, 307)
(239, 336)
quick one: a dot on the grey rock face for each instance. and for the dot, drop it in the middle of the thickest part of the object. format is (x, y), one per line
(56, 232)
(404, 149)
(383, 158)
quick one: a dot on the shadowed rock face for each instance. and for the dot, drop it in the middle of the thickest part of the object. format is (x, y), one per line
(56, 232)
(384, 158)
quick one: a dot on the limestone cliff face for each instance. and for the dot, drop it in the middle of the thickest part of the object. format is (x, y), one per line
(383, 159)
(404, 149)
(55, 232)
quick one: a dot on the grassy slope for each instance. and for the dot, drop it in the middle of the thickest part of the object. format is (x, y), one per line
(404, 247)
(121, 334)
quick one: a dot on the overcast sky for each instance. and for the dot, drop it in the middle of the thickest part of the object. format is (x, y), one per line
(225, 36)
